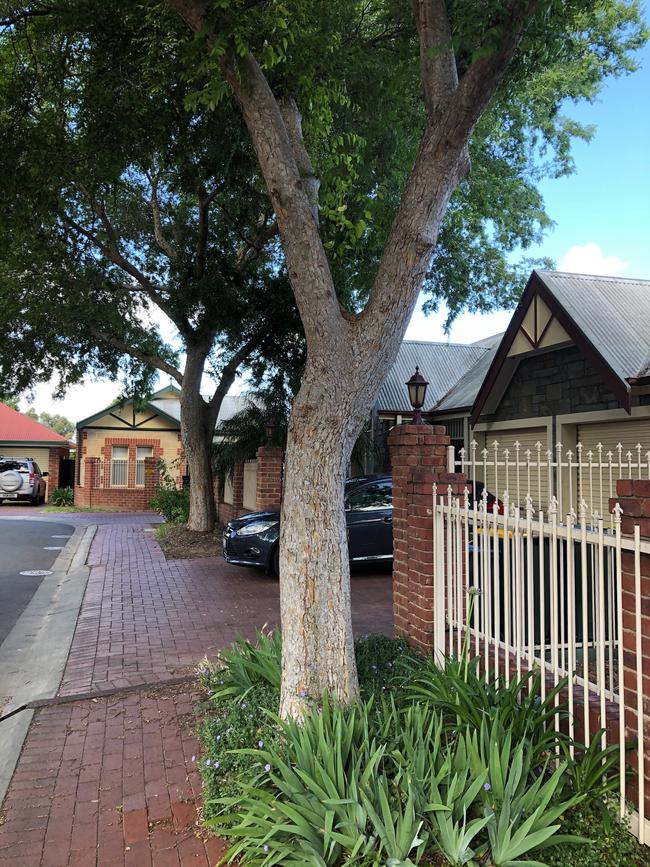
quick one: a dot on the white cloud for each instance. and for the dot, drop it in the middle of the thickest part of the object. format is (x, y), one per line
(467, 328)
(589, 259)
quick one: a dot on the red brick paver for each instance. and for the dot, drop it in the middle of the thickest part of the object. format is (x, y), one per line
(110, 781)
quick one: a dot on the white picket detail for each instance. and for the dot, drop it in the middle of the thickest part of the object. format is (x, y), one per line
(547, 596)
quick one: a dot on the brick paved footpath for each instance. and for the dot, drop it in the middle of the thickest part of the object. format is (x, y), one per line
(109, 781)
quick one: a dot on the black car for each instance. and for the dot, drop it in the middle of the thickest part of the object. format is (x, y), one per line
(253, 539)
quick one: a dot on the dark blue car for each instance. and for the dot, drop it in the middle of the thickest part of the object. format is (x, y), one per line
(253, 539)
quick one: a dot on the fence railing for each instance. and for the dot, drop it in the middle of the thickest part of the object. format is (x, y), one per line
(531, 591)
(119, 473)
(571, 476)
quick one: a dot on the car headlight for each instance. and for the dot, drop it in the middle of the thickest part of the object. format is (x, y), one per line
(256, 527)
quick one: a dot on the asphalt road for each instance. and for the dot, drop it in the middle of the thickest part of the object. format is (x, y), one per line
(22, 545)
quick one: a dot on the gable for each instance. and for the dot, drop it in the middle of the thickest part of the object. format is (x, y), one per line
(541, 324)
(125, 417)
(539, 329)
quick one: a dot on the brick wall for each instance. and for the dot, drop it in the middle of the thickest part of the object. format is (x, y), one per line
(96, 494)
(634, 499)
(418, 459)
(270, 463)
(561, 381)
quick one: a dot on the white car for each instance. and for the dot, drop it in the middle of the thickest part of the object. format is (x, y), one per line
(21, 479)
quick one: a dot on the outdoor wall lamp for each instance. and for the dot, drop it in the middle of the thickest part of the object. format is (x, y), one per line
(269, 430)
(417, 386)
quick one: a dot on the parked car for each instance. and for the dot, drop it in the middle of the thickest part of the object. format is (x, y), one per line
(253, 540)
(21, 479)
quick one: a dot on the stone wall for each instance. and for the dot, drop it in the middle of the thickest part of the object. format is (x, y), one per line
(554, 383)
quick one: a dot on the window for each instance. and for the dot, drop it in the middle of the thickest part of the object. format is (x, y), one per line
(378, 495)
(11, 464)
(141, 453)
(119, 466)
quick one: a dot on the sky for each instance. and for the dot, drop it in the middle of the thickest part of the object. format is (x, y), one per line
(601, 215)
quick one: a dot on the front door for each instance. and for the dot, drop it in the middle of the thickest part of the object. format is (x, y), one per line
(369, 514)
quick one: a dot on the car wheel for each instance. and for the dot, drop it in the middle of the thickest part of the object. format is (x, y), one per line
(33, 501)
(275, 561)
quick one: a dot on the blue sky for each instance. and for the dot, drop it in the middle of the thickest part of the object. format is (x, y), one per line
(601, 212)
(602, 216)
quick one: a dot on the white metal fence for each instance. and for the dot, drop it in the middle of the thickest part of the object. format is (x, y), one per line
(572, 477)
(119, 473)
(537, 592)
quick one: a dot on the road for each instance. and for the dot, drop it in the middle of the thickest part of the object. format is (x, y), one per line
(22, 547)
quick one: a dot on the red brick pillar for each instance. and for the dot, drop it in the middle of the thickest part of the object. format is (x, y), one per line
(53, 466)
(151, 479)
(238, 489)
(634, 498)
(270, 461)
(419, 458)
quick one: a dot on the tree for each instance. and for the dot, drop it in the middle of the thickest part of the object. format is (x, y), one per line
(291, 67)
(58, 423)
(9, 400)
(126, 208)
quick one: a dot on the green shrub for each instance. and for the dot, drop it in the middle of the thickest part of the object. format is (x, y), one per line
(430, 766)
(62, 497)
(169, 501)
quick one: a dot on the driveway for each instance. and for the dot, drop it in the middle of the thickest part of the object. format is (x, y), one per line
(24, 547)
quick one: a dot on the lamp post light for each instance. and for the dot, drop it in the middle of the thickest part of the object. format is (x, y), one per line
(269, 430)
(417, 386)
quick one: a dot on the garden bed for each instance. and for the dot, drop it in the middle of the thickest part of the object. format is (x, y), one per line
(430, 767)
(179, 543)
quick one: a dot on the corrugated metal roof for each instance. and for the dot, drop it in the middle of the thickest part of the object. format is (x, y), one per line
(16, 427)
(613, 313)
(442, 364)
(463, 394)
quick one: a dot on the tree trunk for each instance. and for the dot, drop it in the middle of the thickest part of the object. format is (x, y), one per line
(197, 431)
(317, 642)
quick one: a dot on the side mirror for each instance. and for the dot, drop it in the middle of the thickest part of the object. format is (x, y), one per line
(45, 474)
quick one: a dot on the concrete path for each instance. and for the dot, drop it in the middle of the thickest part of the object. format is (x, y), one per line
(106, 775)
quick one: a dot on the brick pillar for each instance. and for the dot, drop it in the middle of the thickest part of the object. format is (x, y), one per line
(91, 473)
(53, 466)
(419, 458)
(634, 498)
(151, 479)
(270, 461)
(238, 489)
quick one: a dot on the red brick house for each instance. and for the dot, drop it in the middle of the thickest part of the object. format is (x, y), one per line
(24, 437)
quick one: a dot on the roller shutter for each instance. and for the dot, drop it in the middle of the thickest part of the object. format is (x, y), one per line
(597, 485)
(525, 474)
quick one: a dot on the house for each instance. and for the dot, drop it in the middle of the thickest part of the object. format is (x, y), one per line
(116, 441)
(22, 436)
(571, 377)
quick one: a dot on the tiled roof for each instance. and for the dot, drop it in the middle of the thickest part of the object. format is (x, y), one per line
(18, 428)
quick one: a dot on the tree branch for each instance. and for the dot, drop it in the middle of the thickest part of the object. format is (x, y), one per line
(162, 242)
(437, 61)
(230, 370)
(144, 284)
(305, 256)
(293, 123)
(134, 352)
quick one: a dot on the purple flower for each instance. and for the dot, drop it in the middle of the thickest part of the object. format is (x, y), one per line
(260, 744)
(216, 765)
(267, 767)
(193, 758)
(302, 693)
(207, 761)
(218, 737)
(244, 705)
(487, 787)
(265, 847)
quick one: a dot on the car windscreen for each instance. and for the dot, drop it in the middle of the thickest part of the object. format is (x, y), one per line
(6, 465)
(378, 495)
